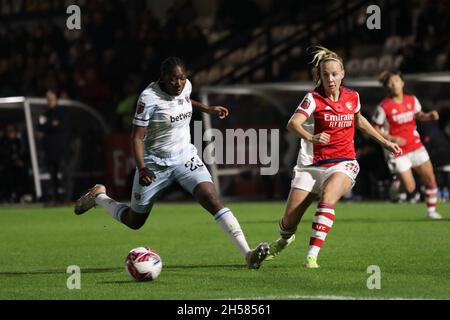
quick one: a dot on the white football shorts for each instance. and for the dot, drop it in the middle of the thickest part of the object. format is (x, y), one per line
(188, 175)
(407, 161)
(312, 179)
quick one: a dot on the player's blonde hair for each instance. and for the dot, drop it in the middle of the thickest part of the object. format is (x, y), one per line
(322, 54)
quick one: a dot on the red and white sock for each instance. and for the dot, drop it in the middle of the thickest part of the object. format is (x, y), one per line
(431, 199)
(322, 223)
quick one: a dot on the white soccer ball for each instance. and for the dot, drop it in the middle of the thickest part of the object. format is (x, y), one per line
(143, 264)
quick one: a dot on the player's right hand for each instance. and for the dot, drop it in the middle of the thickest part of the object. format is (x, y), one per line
(146, 176)
(434, 115)
(393, 148)
(220, 111)
(322, 138)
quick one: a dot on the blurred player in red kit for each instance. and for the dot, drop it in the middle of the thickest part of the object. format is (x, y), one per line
(395, 118)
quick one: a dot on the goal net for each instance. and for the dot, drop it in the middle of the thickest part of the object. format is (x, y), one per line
(83, 159)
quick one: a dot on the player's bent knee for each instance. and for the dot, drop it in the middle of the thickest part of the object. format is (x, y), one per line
(135, 220)
(135, 226)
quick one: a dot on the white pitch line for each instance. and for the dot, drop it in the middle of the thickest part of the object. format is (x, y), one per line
(321, 297)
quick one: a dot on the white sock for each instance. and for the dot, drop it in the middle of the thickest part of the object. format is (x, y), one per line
(229, 224)
(313, 251)
(114, 208)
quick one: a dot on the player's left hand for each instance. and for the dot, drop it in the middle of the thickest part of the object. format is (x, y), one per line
(434, 115)
(220, 111)
(146, 177)
(393, 148)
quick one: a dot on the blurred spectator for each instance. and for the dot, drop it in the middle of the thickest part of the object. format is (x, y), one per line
(92, 90)
(126, 107)
(432, 28)
(150, 63)
(237, 15)
(196, 42)
(414, 59)
(13, 166)
(181, 13)
(54, 128)
(404, 20)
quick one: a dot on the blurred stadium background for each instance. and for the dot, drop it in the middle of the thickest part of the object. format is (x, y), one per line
(249, 55)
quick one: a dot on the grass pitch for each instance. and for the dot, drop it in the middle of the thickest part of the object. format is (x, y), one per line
(199, 262)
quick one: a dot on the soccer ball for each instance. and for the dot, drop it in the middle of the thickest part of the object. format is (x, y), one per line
(143, 264)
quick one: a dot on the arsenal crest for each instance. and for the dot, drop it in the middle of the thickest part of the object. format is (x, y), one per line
(349, 105)
(137, 196)
(305, 103)
(187, 99)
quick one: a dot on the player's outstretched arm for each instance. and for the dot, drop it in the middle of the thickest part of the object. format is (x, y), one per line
(146, 176)
(219, 111)
(398, 140)
(364, 125)
(295, 126)
(427, 116)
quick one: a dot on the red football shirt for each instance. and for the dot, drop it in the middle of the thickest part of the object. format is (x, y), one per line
(398, 120)
(337, 118)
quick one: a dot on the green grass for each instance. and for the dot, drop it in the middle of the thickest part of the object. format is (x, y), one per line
(199, 262)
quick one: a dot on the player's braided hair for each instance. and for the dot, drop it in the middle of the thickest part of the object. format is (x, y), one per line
(322, 54)
(387, 74)
(170, 63)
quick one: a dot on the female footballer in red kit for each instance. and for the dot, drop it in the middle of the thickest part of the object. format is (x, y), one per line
(326, 167)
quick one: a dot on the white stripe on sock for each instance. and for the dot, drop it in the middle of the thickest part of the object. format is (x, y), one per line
(327, 210)
(323, 220)
(313, 251)
(318, 234)
(431, 209)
